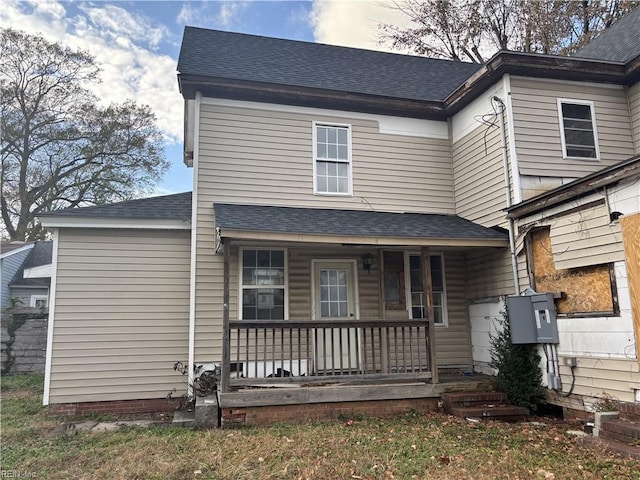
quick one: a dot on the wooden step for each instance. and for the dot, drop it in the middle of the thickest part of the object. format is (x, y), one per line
(621, 430)
(468, 399)
(507, 413)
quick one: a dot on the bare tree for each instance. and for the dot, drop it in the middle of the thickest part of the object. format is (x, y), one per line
(59, 146)
(473, 30)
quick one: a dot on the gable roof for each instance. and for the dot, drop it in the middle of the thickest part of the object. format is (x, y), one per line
(349, 223)
(618, 43)
(165, 207)
(41, 254)
(215, 53)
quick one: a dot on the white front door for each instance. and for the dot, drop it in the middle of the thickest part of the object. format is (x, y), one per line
(334, 299)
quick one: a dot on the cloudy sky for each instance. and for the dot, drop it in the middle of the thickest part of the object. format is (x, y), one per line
(137, 43)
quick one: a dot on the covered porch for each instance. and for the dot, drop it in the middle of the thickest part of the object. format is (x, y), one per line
(343, 306)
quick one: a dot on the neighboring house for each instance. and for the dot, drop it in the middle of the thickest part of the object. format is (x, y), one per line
(12, 257)
(348, 223)
(30, 284)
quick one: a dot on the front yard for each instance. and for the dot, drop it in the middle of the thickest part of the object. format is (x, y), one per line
(36, 445)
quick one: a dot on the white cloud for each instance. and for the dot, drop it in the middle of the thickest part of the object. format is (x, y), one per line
(354, 23)
(224, 14)
(124, 46)
(188, 14)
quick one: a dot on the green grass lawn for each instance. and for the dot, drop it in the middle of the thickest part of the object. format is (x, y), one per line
(413, 446)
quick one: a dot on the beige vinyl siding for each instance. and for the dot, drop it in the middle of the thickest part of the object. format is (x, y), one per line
(597, 377)
(634, 108)
(489, 273)
(121, 314)
(586, 237)
(478, 174)
(256, 156)
(453, 343)
(537, 127)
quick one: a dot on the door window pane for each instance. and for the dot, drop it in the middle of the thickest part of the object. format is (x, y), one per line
(333, 293)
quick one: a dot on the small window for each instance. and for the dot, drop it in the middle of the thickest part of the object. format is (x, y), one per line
(332, 159)
(578, 129)
(39, 301)
(263, 287)
(438, 294)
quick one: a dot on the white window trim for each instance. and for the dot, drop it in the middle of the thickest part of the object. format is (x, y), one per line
(407, 290)
(286, 277)
(34, 298)
(592, 106)
(314, 138)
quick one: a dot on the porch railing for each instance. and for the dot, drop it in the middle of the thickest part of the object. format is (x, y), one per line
(278, 351)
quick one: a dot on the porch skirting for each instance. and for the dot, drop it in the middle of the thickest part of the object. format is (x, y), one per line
(262, 406)
(324, 411)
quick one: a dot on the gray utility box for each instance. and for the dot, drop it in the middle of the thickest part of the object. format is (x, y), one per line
(533, 319)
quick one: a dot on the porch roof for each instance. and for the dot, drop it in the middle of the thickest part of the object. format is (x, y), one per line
(253, 222)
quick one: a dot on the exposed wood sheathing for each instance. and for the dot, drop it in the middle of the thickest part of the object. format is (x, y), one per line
(586, 289)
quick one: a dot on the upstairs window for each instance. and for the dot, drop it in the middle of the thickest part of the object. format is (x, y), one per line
(332, 159)
(578, 129)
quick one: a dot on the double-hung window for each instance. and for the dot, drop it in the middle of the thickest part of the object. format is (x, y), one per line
(438, 293)
(578, 129)
(263, 284)
(332, 159)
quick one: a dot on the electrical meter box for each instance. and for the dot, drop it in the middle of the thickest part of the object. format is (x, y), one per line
(533, 319)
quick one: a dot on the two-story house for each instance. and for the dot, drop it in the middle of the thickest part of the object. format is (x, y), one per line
(356, 219)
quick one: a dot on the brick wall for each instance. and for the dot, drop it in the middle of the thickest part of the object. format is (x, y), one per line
(25, 350)
(118, 407)
(323, 411)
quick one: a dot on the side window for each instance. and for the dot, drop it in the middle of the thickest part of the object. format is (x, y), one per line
(39, 301)
(263, 286)
(578, 129)
(438, 294)
(332, 159)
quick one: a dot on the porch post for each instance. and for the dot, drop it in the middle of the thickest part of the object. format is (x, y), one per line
(226, 345)
(428, 309)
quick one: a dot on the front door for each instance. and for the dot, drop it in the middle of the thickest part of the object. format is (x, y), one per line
(334, 299)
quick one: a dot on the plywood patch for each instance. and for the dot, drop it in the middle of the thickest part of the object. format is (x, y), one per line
(586, 289)
(631, 235)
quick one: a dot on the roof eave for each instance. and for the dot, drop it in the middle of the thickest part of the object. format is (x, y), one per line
(539, 66)
(297, 237)
(625, 170)
(234, 89)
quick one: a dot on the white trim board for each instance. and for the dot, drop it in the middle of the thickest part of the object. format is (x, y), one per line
(411, 127)
(136, 223)
(194, 245)
(41, 271)
(51, 320)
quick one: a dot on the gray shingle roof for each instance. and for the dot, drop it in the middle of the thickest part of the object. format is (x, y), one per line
(214, 53)
(166, 207)
(619, 43)
(348, 222)
(41, 254)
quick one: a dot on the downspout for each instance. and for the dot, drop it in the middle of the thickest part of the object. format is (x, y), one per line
(507, 192)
